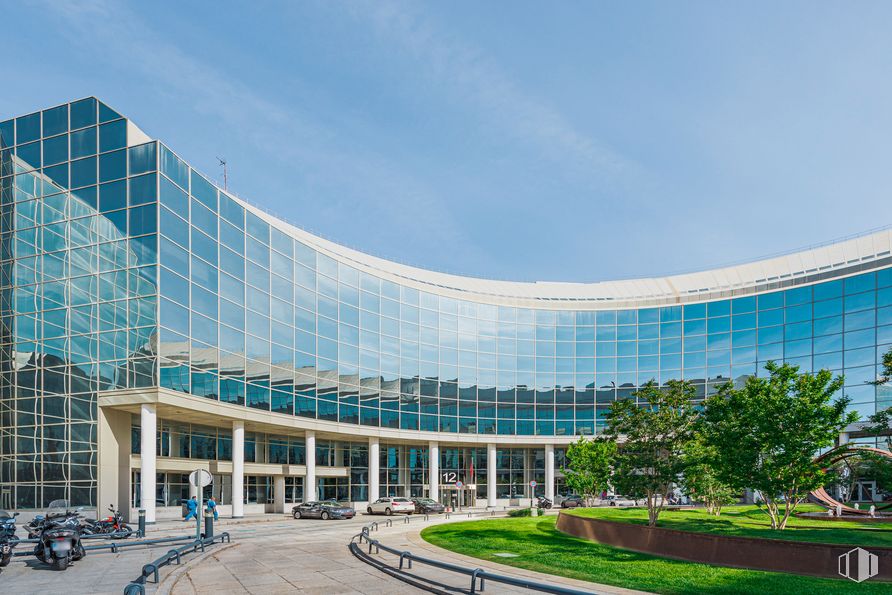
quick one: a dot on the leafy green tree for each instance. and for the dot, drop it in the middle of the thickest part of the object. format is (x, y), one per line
(877, 468)
(653, 434)
(842, 477)
(589, 465)
(880, 422)
(701, 483)
(765, 434)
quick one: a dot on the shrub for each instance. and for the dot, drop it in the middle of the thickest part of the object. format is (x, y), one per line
(520, 512)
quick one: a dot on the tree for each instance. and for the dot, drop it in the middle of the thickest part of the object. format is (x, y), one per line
(589, 464)
(653, 434)
(701, 483)
(880, 422)
(877, 468)
(765, 434)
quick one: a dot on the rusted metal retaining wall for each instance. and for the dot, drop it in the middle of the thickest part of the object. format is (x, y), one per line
(814, 559)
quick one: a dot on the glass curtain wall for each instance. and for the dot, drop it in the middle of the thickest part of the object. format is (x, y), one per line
(250, 313)
(78, 224)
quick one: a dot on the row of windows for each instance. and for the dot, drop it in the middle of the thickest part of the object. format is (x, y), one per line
(57, 120)
(79, 175)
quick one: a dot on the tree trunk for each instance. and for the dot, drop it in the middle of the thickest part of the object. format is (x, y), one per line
(772, 509)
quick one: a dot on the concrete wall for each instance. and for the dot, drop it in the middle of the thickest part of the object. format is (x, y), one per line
(114, 462)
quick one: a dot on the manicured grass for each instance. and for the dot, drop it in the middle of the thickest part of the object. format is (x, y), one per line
(749, 521)
(540, 547)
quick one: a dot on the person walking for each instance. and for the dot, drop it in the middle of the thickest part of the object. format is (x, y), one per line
(191, 508)
(212, 507)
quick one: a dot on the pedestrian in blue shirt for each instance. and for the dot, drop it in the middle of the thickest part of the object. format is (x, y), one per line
(212, 507)
(192, 508)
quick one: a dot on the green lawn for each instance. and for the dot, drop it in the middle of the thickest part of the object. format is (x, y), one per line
(749, 521)
(542, 548)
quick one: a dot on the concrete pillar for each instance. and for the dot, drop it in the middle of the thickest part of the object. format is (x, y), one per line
(403, 466)
(843, 438)
(238, 469)
(374, 469)
(490, 475)
(279, 493)
(147, 447)
(310, 488)
(114, 461)
(549, 471)
(433, 454)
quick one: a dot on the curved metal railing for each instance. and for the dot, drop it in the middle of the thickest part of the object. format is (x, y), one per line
(478, 576)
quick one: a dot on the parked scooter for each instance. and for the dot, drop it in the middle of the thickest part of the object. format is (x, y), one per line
(543, 502)
(8, 540)
(60, 536)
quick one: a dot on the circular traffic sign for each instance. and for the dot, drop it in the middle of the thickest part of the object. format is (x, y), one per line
(458, 484)
(533, 484)
(200, 478)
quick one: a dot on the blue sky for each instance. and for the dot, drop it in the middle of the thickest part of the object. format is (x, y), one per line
(572, 141)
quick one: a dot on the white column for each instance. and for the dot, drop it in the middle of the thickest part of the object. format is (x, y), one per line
(238, 469)
(310, 479)
(148, 421)
(279, 493)
(549, 471)
(433, 454)
(491, 475)
(843, 438)
(403, 462)
(374, 469)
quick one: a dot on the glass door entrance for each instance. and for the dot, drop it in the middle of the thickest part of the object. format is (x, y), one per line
(457, 498)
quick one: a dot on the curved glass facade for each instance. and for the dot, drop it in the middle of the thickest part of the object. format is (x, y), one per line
(124, 268)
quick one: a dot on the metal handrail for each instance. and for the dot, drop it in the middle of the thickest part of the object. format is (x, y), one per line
(113, 546)
(475, 573)
(174, 555)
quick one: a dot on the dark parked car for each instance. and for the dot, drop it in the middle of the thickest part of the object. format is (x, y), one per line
(428, 506)
(326, 509)
(573, 501)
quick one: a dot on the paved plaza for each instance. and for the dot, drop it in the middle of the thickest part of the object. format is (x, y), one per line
(269, 555)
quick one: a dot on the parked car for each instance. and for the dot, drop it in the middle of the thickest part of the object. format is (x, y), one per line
(326, 509)
(428, 506)
(573, 501)
(620, 501)
(389, 506)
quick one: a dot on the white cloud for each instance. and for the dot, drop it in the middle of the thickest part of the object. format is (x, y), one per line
(371, 187)
(465, 71)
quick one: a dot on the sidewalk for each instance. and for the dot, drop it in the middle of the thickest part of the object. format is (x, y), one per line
(221, 524)
(312, 557)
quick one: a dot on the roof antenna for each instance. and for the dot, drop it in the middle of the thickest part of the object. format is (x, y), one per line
(222, 161)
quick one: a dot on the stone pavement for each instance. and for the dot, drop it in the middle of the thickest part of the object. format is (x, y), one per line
(313, 557)
(309, 556)
(269, 554)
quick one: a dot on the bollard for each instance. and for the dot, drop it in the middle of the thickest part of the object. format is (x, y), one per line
(141, 530)
(208, 524)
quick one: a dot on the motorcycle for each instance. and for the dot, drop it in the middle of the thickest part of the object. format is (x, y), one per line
(543, 502)
(60, 536)
(8, 540)
(33, 527)
(111, 524)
